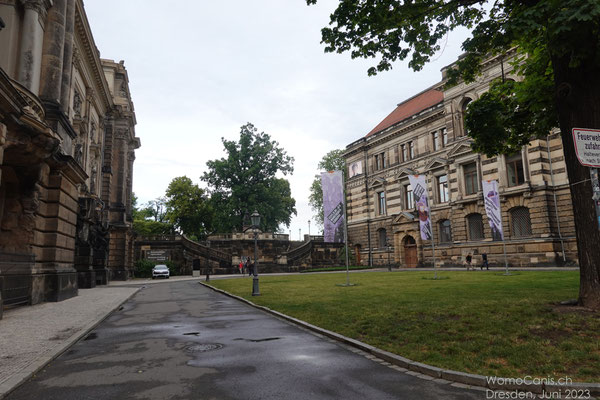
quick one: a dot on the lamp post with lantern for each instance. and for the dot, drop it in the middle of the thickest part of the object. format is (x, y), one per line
(255, 218)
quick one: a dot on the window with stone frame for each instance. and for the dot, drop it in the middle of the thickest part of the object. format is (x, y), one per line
(520, 222)
(443, 192)
(411, 150)
(515, 173)
(381, 203)
(404, 153)
(445, 231)
(435, 138)
(475, 226)
(444, 137)
(409, 200)
(470, 177)
(382, 238)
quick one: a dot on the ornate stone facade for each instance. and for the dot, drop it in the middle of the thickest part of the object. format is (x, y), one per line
(58, 109)
(426, 135)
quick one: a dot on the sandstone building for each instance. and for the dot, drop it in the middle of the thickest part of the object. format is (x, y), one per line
(426, 135)
(67, 143)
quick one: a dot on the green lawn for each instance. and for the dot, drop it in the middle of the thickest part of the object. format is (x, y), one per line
(479, 322)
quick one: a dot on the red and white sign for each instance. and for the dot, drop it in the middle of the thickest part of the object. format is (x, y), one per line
(587, 146)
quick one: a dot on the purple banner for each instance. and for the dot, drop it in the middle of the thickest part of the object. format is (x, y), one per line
(333, 206)
(419, 188)
(492, 208)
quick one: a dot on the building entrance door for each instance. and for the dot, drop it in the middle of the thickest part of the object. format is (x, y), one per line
(410, 252)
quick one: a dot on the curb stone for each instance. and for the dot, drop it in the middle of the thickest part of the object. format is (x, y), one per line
(473, 381)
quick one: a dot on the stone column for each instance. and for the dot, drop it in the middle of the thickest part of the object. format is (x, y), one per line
(68, 55)
(30, 56)
(53, 52)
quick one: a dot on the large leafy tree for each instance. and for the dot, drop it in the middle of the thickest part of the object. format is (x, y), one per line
(332, 161)
(559, 44)
(246, 179)
(188, 208)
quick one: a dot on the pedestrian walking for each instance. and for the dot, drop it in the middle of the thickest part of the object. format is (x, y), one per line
(241, 266)
(484, 262)
(248, 265)
(469, 259)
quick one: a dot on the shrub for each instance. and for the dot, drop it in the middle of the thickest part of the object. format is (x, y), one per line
(143, 268)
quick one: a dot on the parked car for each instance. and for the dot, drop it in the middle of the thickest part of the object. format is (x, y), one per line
(160, 271)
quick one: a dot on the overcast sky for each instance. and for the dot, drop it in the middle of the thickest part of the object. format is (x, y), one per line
(199, 70)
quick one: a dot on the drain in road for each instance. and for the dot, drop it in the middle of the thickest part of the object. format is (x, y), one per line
(204, 347)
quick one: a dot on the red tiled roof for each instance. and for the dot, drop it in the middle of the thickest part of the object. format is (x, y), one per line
(409, 108)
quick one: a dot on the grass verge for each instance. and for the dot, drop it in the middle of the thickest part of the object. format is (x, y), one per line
(477, 322)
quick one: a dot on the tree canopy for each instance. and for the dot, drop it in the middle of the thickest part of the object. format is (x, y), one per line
(188, 208)
(558, 69)
(332, 161)
(149, 219)
(246, 179)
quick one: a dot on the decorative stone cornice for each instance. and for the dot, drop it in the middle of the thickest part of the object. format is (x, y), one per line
(91, 54)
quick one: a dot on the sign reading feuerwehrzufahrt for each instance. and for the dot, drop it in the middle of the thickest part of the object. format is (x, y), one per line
(587, 146)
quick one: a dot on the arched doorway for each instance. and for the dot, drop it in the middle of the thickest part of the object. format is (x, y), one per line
(410, 252)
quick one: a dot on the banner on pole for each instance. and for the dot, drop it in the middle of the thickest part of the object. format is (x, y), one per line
(419, 188)
(333, 206)
(492, 208)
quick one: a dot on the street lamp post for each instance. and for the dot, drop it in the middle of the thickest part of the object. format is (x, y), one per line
(255, 217)
(309, 229)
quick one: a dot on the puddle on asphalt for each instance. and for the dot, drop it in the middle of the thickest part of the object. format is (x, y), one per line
(259, 340)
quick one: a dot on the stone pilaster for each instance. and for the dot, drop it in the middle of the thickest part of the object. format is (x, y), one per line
(68, 55)
(53, 53)
(32, 37)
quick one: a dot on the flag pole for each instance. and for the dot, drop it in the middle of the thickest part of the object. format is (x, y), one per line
(433, 250)
(346, 235)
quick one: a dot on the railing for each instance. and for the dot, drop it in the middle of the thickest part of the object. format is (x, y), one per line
(299, 252)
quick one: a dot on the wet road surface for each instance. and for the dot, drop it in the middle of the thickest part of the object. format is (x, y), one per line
(184, 341)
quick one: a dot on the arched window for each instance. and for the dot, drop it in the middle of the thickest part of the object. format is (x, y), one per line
(463, 110)
(475, 226)
(382, 236)
(445, 231)
(520, 222)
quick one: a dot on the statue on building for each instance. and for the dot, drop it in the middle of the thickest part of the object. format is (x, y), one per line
(77, 104)
(78, 153)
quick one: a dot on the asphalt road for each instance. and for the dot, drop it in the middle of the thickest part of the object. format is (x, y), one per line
(184, 341)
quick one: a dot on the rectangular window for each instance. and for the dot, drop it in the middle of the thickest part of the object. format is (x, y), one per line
(471, 181)
(382, 157)
(435, 137)
(443, 194)
(409, 200)
(514, 170)
(411, 150)
(444, 137)
(404, 153)
(381, 197)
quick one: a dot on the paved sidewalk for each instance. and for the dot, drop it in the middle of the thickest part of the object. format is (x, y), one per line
(30, 337)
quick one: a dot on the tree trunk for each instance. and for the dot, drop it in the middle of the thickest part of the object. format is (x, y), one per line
(578, 106)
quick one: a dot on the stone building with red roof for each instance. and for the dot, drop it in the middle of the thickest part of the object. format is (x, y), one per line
(425, 134)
